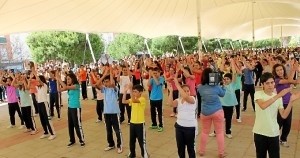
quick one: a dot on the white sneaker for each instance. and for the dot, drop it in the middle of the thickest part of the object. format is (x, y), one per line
(44, 136)
(229, 136)
(239, 120)
(34, 132)
(27, 130)
(284, 144)
(52, 137)
(213, 134)
(119, 150)
(97, 121)
(21, 127)
(11, 126)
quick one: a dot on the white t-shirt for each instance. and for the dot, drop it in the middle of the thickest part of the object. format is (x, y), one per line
(266, 120)
(100, 95)
(124, 80)
(186, 116)
(41, 95)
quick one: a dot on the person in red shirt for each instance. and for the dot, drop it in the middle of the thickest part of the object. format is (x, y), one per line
(82, 77)
(197, 70)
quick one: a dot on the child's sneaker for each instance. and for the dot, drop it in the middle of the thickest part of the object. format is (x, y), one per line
(239, 120)
(119, 150)
(70, 144)
(52, 137)
(22, 127)
(97, 121)
(109, 148)
(229, 136)
(11, 126)
(153, 127)
(34, 132)
(82, 144)
(27, 130)
(284, 144)
(160, 129)
(213, 134)
(44, 136)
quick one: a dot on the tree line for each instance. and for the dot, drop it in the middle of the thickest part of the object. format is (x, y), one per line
(73, 47)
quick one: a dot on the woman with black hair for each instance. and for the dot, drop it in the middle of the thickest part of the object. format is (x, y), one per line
(74, 107)
(211, 112)
(42, 100)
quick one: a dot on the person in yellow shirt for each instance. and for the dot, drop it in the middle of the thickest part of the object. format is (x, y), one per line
(137, 121)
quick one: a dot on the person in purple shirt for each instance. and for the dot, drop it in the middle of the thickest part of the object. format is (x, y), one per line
(283, 81)
(12, 99)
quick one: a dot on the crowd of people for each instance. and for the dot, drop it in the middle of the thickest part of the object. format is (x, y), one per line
(200, 86)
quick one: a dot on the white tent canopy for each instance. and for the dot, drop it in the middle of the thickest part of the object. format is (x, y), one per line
(153, 18)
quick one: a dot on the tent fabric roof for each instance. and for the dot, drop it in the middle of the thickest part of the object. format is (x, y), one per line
(153, 18)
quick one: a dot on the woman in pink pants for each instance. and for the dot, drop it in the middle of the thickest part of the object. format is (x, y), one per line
(211, 111)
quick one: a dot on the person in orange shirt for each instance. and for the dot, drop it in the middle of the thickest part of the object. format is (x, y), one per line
(33, 91)
(82, 78)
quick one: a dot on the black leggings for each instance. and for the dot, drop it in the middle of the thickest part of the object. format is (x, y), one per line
(13, 108)
(264, 144)
(185, 136)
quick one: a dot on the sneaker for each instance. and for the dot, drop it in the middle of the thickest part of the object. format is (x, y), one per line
(52, 137)
(11, 126)
(109, 148)
(284, 144)
(213, 134)
(130, 156)
(229, 136)
(172, 115)
(58, 119)
(70, 144)
(97, 121)
(239, 120)
(27, 130)
(21, 127)
(44, 136)
(34, 132)
(82, 144)
(244, 110)
(160, 129)
(153, 127)
(119, 150)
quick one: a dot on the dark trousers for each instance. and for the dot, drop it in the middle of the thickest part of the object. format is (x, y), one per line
(46, 123)
(285, 125)
(94, 93)
(248, 89)
(156, 105)
(238, 106)
(112, 121)
(99, 109)
(74, 122)
(264, 144)
(258, 75)
(83, 90)
(1, 93)
(137, 131)
(122, 108)
(54, 101)
(136, 81)
(12, 109)
(185, 136)
(28, 119)
(35, 104)
(199, 104)
(175, 95)
(228, 112)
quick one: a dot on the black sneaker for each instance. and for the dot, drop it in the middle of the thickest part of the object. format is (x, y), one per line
(82, 144)
(70, 144)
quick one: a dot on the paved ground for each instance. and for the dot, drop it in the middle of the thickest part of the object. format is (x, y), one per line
(16, 144)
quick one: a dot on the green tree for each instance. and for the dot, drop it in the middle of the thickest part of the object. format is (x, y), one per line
(125, 44)
(61, 45)
(161, 45)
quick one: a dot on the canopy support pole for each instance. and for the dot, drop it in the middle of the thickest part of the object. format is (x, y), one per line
(181, 45)
(220, 44)
(203, 43)
(281, 36)
(241, 45)
(89, 42)
(272, 35)
(231, 45)
(146, 43)
(198, 9)
(253, 26)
